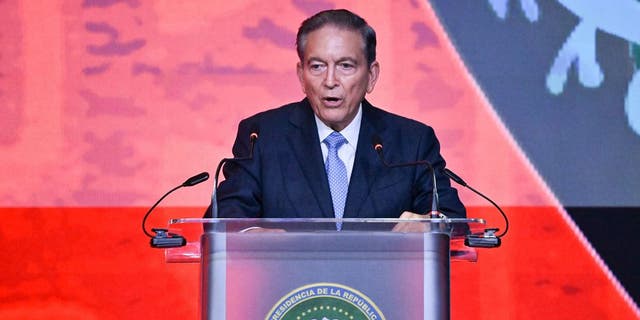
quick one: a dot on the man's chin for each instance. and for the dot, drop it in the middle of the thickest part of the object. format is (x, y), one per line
(336, 123)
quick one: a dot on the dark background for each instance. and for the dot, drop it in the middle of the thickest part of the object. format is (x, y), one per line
(578, 140)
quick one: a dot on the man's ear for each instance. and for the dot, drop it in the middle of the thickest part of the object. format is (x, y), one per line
(374, 72)
(300, 72)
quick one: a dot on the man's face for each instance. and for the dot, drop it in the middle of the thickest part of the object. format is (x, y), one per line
(335, 75)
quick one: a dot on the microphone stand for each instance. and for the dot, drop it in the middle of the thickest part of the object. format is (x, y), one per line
(488, 239)
(214, 195)
(163, 238)
(434, 213)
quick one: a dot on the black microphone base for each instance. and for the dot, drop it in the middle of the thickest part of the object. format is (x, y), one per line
(172, 242)
(481, 241)
(163, 239)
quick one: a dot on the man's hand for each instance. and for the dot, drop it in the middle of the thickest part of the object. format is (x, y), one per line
(412, 226)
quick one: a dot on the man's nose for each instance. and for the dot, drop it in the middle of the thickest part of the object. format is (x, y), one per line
(330, 80)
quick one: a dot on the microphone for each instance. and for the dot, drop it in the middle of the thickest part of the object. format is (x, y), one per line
(253, 137)
(378, 147)
(488, 239)
(162, 238)
(201, 177)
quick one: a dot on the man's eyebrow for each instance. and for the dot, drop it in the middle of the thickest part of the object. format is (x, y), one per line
(342, 59)
(315, 59)
(349, 59)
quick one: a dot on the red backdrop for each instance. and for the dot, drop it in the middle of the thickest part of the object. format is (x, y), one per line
(106, 104)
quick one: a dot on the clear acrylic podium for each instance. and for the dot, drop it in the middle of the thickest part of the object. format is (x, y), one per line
(281, 269)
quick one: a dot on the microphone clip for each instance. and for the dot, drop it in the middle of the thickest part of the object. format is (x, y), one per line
(165, 239)
(487, 239)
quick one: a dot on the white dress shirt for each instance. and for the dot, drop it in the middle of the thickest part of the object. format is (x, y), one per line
(347, 152)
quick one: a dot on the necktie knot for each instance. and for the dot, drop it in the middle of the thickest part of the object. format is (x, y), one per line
(335, 140)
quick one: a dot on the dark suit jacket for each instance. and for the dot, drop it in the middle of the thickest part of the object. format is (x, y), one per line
(286, 177)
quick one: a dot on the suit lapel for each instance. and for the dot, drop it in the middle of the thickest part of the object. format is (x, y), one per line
(366, 167)
(304, 141)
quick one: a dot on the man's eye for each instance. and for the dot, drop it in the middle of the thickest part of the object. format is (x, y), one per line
(346, 66)
(315, 66)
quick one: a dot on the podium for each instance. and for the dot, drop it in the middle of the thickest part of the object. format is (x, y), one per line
(303, 269)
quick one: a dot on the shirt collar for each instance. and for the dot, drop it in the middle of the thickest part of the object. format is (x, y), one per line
(350, 133)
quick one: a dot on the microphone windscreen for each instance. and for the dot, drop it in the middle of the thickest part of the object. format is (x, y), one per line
(201, 177)
(253, 136)
(376, 142)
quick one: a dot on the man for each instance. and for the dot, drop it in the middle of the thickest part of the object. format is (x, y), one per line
(296, 171)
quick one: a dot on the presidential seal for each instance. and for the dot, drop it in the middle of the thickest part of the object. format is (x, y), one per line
(325, 301)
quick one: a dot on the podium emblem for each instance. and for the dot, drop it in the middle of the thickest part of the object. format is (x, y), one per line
(325, 301)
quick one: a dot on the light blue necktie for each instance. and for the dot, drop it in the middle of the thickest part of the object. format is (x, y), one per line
(337, 174)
